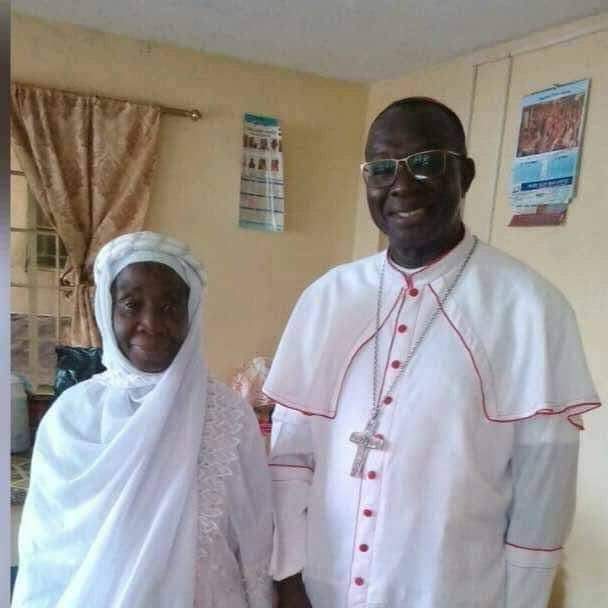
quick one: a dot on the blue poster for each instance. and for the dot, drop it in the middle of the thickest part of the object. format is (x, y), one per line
(262, 197)
(546, 163)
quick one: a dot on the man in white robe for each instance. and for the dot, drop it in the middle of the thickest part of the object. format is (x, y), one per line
(459, 492)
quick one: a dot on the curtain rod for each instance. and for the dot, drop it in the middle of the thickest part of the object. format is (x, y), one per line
(192, 114)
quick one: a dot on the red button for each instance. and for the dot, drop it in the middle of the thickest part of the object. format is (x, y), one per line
(359, 581)
(371, 475)
(413, 292)
(396, 364)
(402, 329)
(363, 548)
(388, 400)
(368, 512)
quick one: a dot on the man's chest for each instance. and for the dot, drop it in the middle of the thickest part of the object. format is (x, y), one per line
(431, 404)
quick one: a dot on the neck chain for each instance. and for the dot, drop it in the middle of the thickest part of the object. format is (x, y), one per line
(368, 439)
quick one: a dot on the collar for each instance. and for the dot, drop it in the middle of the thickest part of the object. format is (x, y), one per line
(433, 270)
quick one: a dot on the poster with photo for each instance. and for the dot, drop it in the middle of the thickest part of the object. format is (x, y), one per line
(546, 163)
(262, 197)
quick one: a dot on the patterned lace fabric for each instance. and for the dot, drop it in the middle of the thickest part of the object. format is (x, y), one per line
(258, 585)
(218, 456)
(223, 425)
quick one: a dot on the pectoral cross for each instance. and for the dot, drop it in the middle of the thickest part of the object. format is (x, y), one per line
(365, 442)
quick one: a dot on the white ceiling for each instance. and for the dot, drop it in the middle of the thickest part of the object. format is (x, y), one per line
(350, 39)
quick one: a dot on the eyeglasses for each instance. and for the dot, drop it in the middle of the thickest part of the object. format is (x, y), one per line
(422, 166)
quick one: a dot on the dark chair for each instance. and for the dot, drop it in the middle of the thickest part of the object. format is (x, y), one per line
(75, 364)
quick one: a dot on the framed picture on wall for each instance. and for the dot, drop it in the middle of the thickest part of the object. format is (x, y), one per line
(546, 163)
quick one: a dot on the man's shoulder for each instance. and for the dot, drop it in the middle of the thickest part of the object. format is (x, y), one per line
(515, 281)
(349, 273)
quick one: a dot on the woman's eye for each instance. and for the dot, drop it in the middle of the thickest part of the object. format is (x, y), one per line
(130, 305)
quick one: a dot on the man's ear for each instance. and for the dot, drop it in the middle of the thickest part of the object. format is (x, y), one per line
(467, 174)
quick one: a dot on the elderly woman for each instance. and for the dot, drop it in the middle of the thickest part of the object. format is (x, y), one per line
(149, 484)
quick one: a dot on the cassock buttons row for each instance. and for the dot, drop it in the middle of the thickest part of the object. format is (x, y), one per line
(366, 513)
(396, 364)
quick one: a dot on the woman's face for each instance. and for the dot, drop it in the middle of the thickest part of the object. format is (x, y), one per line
(149, 314)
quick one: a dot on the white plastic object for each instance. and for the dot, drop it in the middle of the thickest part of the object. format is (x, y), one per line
(20, 420)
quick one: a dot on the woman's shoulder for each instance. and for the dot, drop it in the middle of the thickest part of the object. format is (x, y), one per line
(80, 396)
(74, 412)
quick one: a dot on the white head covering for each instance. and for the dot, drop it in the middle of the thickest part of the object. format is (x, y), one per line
(110, 519)
(115, 257)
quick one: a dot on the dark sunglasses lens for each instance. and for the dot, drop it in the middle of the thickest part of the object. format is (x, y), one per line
(379, 173)
(426, 165)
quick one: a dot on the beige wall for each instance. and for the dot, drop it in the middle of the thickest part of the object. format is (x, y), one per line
(254, 277)
(574, 256)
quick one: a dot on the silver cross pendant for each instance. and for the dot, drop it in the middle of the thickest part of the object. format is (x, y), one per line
(364, 442)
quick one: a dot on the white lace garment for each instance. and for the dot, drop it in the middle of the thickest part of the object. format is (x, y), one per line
(235, 513)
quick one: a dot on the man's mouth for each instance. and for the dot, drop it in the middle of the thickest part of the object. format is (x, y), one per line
(416, 213)
(408, 218)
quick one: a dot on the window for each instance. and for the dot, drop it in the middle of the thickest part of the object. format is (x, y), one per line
(40, 317)
(47, 242)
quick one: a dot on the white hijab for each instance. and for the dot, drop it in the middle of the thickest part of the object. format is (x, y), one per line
(110, 520)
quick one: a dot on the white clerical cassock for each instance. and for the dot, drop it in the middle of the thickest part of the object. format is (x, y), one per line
(471, 497)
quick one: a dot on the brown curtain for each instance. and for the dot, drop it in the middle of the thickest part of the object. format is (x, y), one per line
(89, 162)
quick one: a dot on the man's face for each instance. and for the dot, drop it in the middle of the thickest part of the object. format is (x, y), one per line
(414, 213)
(150, 314)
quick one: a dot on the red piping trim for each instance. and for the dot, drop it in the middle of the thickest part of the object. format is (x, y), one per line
(544, 411)
(405, 276)
(466, 346)
(580, 427)
(297, 409)
(408, 277)
(310, 412)
(374, 524)
(390, 349)
(534, 548)
(356, 533)
(589, 405)
(390, 312)
(292, 466)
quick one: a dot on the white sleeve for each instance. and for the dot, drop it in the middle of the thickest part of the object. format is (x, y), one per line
(251, 513)
(291, 466)
(544, 469)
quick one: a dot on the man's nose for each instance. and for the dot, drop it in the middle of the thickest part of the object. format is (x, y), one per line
(404, 180)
